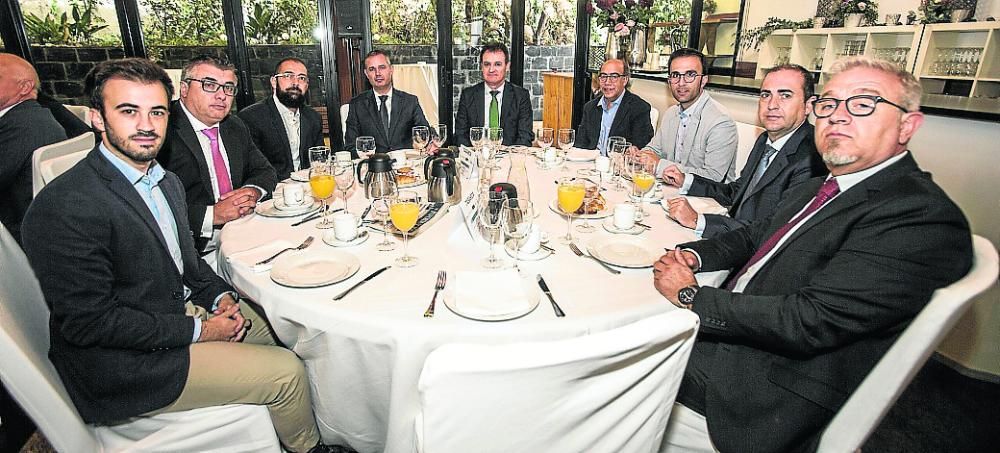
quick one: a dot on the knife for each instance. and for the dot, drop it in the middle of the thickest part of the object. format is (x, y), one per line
(356, 285)
(315, 215)
(545, 289)
(365, 213)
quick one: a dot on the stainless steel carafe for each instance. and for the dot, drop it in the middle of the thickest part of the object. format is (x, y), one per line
(443, 185)
(377, 176)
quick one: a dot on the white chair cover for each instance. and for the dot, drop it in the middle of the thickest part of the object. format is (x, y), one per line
(654, 117)
(52, 160)
(868, 404)
(81, 111)
(607, 392)
(746, 137)
(344, 110)
(32, 381)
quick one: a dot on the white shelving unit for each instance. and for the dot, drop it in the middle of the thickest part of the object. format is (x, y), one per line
(940, 39)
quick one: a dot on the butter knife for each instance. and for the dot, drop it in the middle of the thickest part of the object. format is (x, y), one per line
(315, 215)
(545, 289)
(356, 285)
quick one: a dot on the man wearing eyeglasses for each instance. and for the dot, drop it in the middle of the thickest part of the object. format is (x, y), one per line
(617, 112)
(383, 112)
(212, 152)
(495, 102)
(284, 126)
(697, 135)
(820, 290)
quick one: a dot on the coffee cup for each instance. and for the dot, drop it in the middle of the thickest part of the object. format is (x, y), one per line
(345, 226)
(624, 217)
(532, 241)
(602, 164)
(342, 156)
(398, 159)
(293, 194)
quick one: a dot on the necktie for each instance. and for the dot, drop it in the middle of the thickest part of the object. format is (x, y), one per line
(758, 173)
(383, 113)
(221, 172)
(494, 110)
(828, 190)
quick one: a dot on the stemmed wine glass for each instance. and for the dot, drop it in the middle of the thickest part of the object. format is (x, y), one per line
(588, 187)
(381, 208)
(492, 227)
(495, 136)
(617, 154)
(517, 216)
(641, 171)
(365, 146)
(477, 136)
(421, 136)
(439, 135)
(566, 139)
(322, 183)
(404, 210)
(343, 175)
(569, 196)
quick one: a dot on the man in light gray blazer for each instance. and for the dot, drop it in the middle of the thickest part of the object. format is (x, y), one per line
(698, 134)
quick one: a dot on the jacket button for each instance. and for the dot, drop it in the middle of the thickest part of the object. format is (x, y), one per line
(177, 295)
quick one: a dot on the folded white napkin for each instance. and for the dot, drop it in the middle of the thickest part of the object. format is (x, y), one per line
(581, 154)
(250, 257)
(703, 205)
(489, 294)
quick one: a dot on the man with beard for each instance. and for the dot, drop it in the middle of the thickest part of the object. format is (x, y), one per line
(383, 112)
(283, 126)
(140, 324)
(697, 135)
(820, 290)
(617, 112)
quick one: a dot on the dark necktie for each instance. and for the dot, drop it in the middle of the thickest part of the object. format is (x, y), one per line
(828, 190)
(383, 113)
(757, 174)
(494, 110)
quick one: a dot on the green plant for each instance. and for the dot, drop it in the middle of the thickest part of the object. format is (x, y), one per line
(56, 28)
(51, 29)
(751, 39)
(936, 11)
(867, 8)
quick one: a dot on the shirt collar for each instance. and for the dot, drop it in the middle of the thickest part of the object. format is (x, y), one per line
(4, 111)
(132, 174)
(614, 103)
(499, 88)
(195, 123)
(852, 179)
(698, 103)
(390, 93)
(780, 143)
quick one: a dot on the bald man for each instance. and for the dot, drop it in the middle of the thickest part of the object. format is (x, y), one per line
(24, 127)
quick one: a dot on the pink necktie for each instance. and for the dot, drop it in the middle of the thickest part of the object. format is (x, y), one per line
(221, 172)
(828, 190)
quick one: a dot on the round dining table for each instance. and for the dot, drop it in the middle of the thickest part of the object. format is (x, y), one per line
(364, 353)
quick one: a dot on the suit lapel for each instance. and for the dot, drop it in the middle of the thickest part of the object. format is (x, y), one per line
(747, 174)
(506, 108)
(781, 160)
(187, 134)
(619, 119)
(670, 131)
(478, 106)
(278, 128)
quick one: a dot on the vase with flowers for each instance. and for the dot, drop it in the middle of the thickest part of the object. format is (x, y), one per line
(855, 13)
(627, 22)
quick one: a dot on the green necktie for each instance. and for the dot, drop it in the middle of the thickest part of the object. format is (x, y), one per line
(494, 110)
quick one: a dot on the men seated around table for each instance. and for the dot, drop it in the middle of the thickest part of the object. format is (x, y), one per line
(383, 112)
(24, 127)
(697, 134)
(284, 126)
(819, 291)
(140, 324)
(783, 157)
(212, 152)
(495, 102)
(617, 112)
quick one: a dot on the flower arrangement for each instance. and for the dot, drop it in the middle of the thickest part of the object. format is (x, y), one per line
(622, 16)
(937, 11)
(867, 8)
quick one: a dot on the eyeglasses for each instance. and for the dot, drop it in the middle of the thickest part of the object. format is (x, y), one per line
(211, 86)
(859, 105)
(675, 77)
(301, 78)
(614, 76)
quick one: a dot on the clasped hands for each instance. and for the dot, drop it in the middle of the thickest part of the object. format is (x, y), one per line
(226, 322)
(235, 204)
(673, 271)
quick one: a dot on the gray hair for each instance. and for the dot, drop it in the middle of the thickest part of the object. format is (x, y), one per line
(909, 85)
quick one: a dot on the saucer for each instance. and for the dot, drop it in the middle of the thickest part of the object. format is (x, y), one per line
(331, 239)
(609, 225)
(307, 202)
(537, 255)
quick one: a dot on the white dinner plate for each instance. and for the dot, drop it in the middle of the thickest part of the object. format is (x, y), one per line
(539, 254)
(493, 304)
(313, 268)
(581, 155)
(300, 176)
(267, 209)
(554, 206)
(609, 225)
(625, 251)
(307, 202)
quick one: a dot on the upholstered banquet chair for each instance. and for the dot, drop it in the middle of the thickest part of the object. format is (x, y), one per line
(865, 408)
(654, 116)
(746, 137)
(52, 160)
(32, 381)
(81, 111)
(344, 110)
(606, 392)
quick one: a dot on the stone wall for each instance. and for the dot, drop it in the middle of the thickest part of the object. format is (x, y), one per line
(62, 69)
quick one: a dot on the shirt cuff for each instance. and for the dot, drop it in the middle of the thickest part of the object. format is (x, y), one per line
(215, 303)
(206, 224)
(699, 228)
(263, 193)
(688, 181)
(197, 330)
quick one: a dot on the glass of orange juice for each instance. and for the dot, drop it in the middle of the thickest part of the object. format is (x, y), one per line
(404, 209)
(641, 170)
(322, 184)
(569, 196)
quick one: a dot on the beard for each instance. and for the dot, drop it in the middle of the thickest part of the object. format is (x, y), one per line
(292, 98)
(135, 152)
(836, 159)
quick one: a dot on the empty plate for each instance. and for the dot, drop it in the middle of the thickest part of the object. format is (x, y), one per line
(313, 268)
(625, 251)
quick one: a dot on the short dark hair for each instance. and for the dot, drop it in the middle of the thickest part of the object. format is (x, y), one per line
(219, 63)
(808, 82)
(287, 59)
(494, 47)
(372, 54)
(689, 52)
(132, 69)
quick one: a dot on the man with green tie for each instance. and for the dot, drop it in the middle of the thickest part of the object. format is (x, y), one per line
(494, 102)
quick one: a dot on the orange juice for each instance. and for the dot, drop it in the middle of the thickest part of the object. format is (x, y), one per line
(322, 185)
(643, 181)
(571, 197)
(404, 215)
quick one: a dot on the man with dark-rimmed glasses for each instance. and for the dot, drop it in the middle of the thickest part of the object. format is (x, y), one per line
(223, 171)
(617, 112)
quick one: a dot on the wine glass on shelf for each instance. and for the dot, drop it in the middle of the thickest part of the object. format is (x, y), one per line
(381, 208)
(322, 183)
(517, 216)
(641, 171)
(404, 209)
(343, 176)
(569, 197)
(565, 140)
(439, 135)
(491, 224)
(365, 146)
(421, 137)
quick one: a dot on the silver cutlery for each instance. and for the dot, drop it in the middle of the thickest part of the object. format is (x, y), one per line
(356, 285)
(438, 286)
(644, 225)
(545, 289)
(366, 211)
(578, 252)
(545, 247)
(315, 215)
(303, 245)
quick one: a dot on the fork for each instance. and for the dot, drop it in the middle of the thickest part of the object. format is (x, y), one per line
(578, 252)
(438, 286)
(304, 244)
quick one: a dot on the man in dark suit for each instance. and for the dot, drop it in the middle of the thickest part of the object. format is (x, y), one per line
(212, 152)
(821, 290)
(284, 126)
(782, 158)
(24, 127)
(495, 102)
(140, 324)
(383, 112)
(617, 112)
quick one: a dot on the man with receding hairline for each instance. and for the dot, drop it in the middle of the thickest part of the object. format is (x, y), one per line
(617, 112)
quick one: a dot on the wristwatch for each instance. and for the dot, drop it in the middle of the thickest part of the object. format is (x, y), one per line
(685, 297)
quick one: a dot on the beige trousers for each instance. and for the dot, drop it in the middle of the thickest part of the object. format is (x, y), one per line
(255, 371)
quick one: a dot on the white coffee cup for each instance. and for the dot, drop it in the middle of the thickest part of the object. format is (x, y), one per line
(399, 158)
(532, 241)
(602, 164)
(343, 156)
(550, 155)
(294, 194)
(345, 226)
(624, 218)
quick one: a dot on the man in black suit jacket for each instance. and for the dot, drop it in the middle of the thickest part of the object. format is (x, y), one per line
(283, 126)
(513, 104)
(817, 295)
(383, 112)
(214, 197)
(617, 112)
(782, 158)
(24, 127)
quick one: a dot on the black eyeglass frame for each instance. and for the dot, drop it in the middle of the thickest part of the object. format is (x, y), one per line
(301, 78)
(689, 77)
(206, 84)
(614, 77)
(847, 104)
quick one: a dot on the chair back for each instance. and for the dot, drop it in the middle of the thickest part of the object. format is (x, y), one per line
(746, 137)
(53, 160)
(344, 110)
(81, 111)
(865, 408)
(606, 392)
(654, 117)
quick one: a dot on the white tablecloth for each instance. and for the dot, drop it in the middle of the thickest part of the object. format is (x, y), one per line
(365, 352)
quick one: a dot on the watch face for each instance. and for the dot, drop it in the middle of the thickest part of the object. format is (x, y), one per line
(686, 295)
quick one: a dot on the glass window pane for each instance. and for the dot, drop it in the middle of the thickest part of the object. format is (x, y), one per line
(647, 30)
(406, 30)
(550, 37)
(177, 30)
(476, 23)
(718, 34)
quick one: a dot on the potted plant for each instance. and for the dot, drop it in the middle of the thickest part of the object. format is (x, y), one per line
(940, 11)
(855, 13)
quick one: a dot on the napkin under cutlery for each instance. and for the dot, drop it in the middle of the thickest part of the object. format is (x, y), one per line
(250, 257)
(490, 293)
